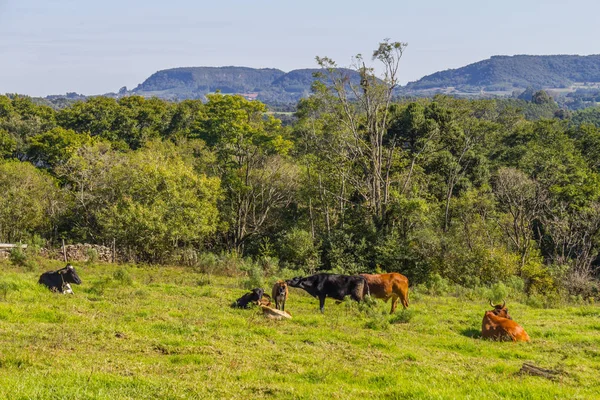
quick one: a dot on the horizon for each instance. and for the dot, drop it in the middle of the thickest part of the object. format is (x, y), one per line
(98, 48)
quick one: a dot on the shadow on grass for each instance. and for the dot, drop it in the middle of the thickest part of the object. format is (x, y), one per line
(472, 333)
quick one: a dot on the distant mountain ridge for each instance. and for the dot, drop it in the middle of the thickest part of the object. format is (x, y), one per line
(512, 72)
(266, 84)
(498, 75)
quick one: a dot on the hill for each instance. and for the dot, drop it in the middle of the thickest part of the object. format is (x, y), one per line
(268, 85)
(169, 333)
(505, 73)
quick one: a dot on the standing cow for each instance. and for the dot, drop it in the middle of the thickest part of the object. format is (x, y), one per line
(331, 285)
(59, 281)
(280, 294)
(388, 286)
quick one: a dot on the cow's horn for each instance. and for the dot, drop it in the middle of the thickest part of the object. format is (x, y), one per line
(492, 304)
(503, 303)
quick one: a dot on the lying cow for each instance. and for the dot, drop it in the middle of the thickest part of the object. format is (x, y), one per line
(496, 325)
(254, 296)
(388, 286)
(331, 285)
(280, 294)
(60, 280)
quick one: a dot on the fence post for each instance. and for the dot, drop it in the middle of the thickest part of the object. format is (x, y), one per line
(64, 250)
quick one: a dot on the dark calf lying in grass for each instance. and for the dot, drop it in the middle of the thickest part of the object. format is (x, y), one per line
(254, 296)
(331, 285)
(59, 281)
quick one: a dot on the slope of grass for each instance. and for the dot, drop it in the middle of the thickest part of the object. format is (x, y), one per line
(146, 332)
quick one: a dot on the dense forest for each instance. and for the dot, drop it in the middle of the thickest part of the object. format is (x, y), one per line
(473, 192)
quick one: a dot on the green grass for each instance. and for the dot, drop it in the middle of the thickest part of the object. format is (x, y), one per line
(147, 332)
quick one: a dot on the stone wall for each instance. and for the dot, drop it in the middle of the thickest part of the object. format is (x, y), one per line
(80, 252)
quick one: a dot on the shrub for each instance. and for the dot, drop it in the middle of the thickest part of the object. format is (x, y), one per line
(92, 255)
(298, 250)
(122, 275)
(499, 291)
(255, 276)
(7, 286)
(402, 316)
(18, 256)
(437, 286)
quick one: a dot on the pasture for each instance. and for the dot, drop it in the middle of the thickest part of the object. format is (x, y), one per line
(134, 332)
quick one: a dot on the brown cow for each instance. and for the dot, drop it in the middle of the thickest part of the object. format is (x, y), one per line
(280, 294)
(497, 327)
(388, 286)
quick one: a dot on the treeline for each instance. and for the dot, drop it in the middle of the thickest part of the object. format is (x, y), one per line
(467, 190)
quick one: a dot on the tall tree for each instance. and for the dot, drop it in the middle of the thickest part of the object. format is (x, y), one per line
(363, 110)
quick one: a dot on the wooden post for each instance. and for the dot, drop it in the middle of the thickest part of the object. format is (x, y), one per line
(114, 252)
(64, 250)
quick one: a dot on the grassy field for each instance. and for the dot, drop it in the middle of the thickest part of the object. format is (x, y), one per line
(147, 332)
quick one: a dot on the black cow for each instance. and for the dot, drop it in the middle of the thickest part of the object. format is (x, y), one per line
(331, 285)
(252, 297)
(58, 281)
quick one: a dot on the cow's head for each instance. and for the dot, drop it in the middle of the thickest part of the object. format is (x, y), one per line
(258, 293)
(299, 282)
(69, 275)
(500, 310)
(281, 288)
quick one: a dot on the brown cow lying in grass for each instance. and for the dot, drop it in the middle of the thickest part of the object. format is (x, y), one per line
(388, 286)
(498, 325)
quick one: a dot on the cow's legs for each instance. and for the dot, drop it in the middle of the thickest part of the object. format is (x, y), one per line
(322, 303)
(283, 305)
(404, 298)
(395, 299)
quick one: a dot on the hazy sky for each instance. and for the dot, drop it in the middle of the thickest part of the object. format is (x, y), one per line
(93, 47)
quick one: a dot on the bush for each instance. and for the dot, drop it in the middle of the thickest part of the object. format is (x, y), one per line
(122, 275)
(437, 286)
(298, 250)
(269, 265)
(18, 256)
(580, 284)
(255, 276)
(92, 255)
(207, 263)
(402, 316)
(7, 286)
(499, 292)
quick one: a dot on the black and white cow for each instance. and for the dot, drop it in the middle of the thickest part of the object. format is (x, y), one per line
(331, 285)
(60, 280)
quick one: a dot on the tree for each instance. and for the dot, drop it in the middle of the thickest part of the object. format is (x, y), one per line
(31, 202)
(363, 110)
(523, 200)
(250, 149)
(158, 203)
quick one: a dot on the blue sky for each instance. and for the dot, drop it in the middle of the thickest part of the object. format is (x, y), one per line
(94, 47)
